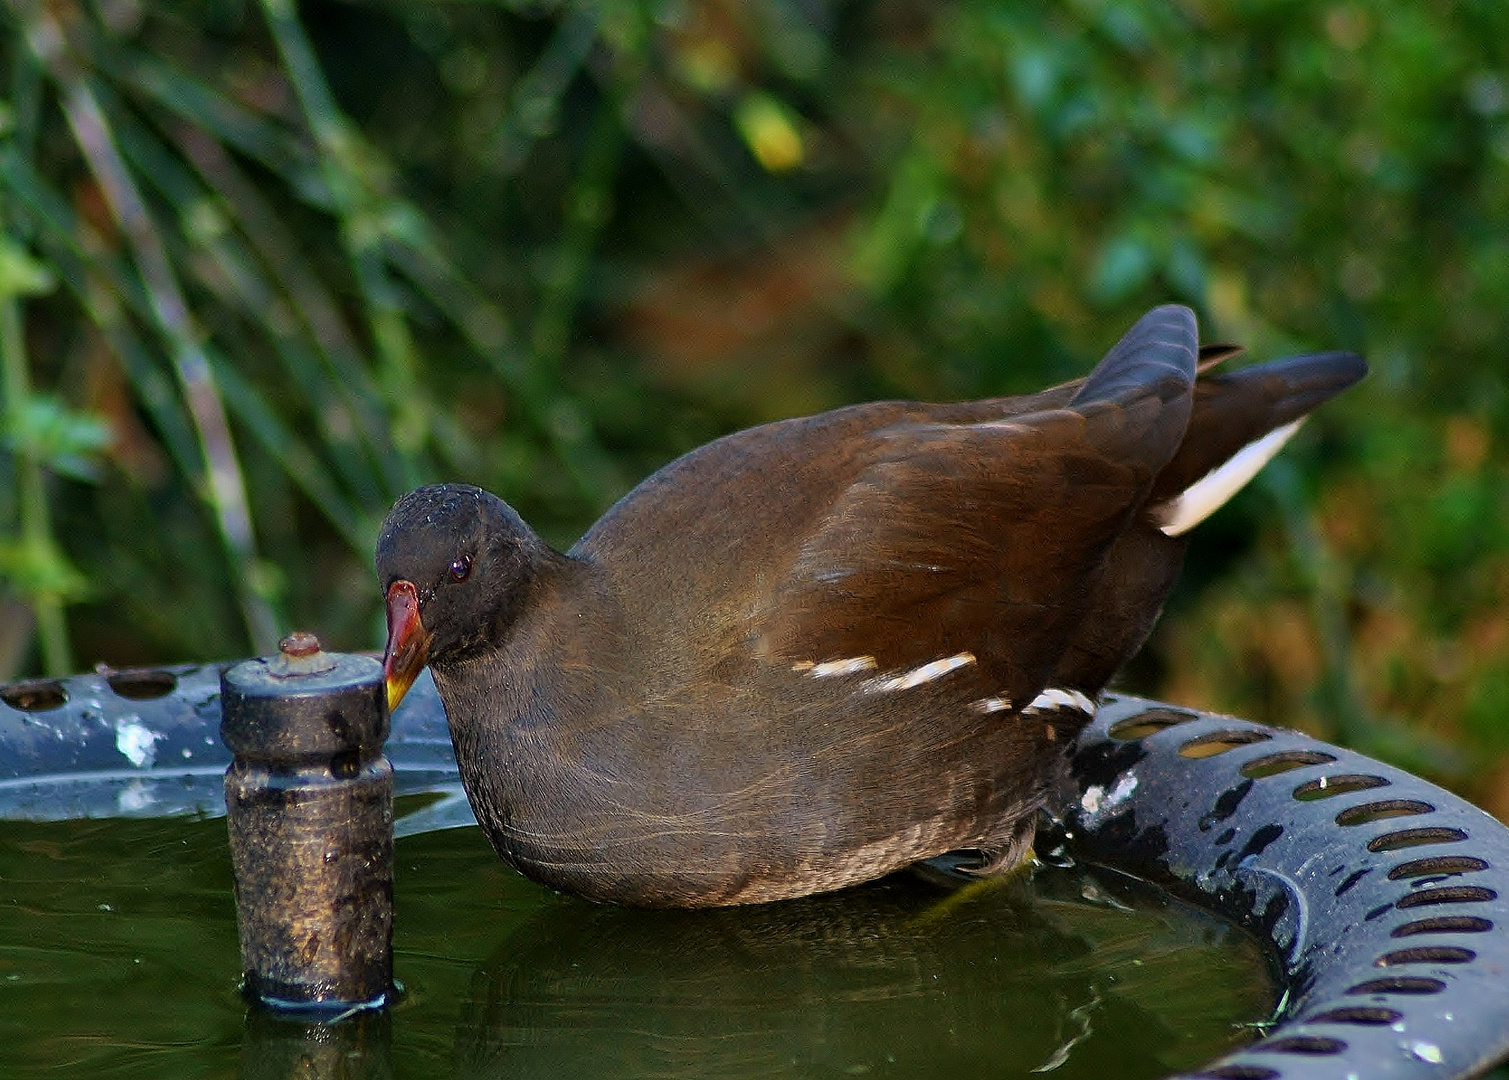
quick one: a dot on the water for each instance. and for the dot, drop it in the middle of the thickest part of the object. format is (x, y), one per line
(118, 959)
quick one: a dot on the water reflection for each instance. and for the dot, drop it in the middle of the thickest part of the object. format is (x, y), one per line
(282, 1048)
(1077, 973)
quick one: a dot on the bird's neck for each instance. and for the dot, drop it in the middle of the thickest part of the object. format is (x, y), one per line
(554, 639)
(515, 709)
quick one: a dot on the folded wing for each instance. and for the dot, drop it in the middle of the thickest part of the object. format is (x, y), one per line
(989, 538)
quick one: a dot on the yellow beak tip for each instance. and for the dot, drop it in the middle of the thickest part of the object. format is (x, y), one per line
(396, 689)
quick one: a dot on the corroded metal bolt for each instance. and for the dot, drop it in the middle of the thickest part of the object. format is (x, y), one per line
(300, 654)
(310, 802)
(299, 643)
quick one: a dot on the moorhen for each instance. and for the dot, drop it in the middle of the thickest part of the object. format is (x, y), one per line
(819, 650)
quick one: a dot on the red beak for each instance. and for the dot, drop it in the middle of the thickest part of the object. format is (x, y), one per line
(408, 642)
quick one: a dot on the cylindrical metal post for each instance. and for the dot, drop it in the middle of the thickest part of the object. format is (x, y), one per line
(310, 803)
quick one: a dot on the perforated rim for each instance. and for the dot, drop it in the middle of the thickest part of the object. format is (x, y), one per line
(1382, 894)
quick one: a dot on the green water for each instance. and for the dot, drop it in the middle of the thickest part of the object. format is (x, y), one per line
(118, 959)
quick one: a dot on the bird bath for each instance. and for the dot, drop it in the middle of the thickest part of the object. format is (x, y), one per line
(118, 952)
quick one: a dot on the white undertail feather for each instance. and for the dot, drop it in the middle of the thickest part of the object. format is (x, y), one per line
(1208, 494)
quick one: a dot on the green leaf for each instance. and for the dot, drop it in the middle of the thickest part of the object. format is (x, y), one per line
(38, 569)
(884, 250)
(22, 275)
(771, 131)
(65, 440)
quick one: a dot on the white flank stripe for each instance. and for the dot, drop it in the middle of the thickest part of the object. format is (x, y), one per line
(1208, 494)
(851, 666)
(919, 675)
(991, 704)
(1053, 698)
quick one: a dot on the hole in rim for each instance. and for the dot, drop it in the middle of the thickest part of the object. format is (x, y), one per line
(1382, 810)
(1399, 984)
(1366, 1015)
(1149, 722)
(1437, 864)
(1327, 787)
(1315, 1045)
(144, 684)
(35, 695)
(1438, 834)
(1450, 894)
(1218, 742)
(1444, 924)
(1238, 1072)
(1427, 954)
(1284, 761)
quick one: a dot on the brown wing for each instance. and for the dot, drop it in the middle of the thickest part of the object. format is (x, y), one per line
(988, 538)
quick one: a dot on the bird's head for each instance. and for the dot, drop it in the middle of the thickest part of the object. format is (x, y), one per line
(449, 558)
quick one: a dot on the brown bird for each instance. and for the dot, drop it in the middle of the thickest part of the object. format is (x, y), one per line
(813, 652)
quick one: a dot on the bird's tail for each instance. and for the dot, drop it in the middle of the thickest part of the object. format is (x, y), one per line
(1239, 421)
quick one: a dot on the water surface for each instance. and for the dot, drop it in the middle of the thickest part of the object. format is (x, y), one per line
(118, 959)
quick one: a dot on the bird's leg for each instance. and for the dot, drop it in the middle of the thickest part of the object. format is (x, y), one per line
(1014, 852)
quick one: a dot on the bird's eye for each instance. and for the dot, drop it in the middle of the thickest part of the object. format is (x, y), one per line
(461, 569)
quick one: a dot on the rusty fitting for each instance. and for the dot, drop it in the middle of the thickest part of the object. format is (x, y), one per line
(310, 803)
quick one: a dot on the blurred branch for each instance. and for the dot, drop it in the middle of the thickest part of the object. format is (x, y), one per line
(360, 206)
(100, 284)
(587, 209)
(209, 109)
(225, 488)
(207, 122)
(536, 98)
(301, 287)
(233, 276)
(376, 227)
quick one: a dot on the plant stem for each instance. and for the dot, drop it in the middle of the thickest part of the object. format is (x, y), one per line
(35, 516)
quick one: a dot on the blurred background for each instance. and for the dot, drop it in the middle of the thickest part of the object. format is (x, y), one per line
(264, 267)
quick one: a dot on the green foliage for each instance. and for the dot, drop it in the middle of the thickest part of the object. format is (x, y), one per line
(266, 266)
(63, 439)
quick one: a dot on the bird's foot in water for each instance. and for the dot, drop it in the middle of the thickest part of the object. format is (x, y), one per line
(967, 875)
(962, 869)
